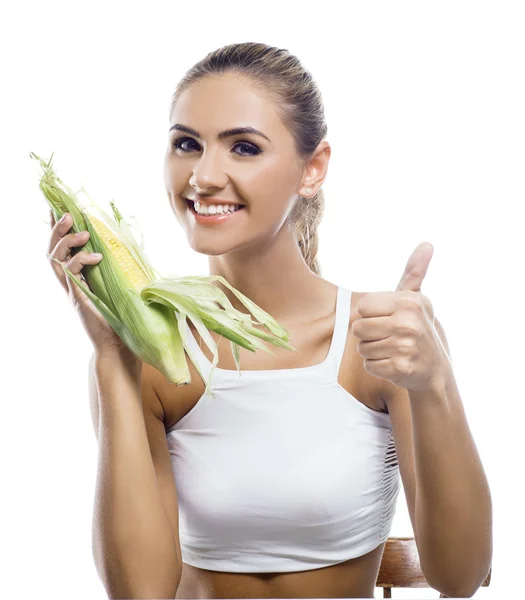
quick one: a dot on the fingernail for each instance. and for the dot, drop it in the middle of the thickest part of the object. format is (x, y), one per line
(63, 219)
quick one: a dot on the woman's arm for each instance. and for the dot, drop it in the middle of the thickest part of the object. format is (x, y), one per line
(135, 541)
(453, 500)
(447, 490)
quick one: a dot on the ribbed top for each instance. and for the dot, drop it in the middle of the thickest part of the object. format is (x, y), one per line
(283, 470)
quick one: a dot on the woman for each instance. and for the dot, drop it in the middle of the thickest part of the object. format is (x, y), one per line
(284, 485)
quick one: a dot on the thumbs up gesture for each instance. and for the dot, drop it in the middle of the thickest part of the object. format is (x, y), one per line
(398, 338)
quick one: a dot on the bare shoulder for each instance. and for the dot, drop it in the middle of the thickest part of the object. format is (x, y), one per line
(352, 376)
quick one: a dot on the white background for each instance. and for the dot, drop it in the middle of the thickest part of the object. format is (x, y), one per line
(425, 109)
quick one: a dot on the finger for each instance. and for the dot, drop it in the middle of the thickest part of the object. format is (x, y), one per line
(52, 218)
(62, 253)
(75, 265)
(416, 268)
(67, 243)
(59, 230)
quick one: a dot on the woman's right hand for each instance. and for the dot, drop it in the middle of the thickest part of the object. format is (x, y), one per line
(98, 329)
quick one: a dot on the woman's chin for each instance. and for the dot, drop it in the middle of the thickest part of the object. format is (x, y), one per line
(211, 247)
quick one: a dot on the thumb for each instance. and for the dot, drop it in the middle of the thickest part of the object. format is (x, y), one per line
(416, 268)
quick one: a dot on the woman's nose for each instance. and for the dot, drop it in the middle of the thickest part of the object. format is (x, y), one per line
(208, 173)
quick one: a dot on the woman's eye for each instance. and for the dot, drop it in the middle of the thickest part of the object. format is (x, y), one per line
(177, 144)
(252, 149)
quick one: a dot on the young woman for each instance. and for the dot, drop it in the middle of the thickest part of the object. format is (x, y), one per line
(285, 484)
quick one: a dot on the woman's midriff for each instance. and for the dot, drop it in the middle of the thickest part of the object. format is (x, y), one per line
(354, 578)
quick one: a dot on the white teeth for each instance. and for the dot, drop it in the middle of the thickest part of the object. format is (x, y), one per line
(213, 209)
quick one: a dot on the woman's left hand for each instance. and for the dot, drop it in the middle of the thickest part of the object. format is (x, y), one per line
(398, 339)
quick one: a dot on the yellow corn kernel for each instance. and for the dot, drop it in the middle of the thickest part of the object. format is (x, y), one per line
(121, 254)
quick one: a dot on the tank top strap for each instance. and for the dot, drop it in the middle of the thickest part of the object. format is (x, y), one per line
(330, 366)
(342, 321)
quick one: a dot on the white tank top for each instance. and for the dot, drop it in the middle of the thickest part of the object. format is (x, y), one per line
(283, 470)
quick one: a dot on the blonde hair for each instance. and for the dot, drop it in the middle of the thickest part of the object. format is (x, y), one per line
(280, 75)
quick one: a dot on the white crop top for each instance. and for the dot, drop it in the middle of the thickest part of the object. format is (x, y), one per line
(283, 470)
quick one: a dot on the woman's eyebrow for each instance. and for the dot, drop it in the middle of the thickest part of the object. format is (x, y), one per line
(222, 134)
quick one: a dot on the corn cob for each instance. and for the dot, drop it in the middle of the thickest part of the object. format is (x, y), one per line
(149, 312)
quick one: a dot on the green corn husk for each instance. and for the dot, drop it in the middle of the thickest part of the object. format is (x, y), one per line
(149, 312)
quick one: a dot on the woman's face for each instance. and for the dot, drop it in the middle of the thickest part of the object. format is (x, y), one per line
(263, 173)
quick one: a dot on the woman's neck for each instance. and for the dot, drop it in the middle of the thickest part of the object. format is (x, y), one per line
(275, 277)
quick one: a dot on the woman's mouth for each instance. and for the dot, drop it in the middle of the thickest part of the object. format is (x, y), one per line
(212, 219)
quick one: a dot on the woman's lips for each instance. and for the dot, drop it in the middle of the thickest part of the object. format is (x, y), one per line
(211, 219)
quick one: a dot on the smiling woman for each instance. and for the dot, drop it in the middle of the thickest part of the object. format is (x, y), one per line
(286, 484)
(252, 147)
(252, 160)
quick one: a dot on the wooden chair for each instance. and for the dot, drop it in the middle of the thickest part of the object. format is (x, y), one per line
(400, 567)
